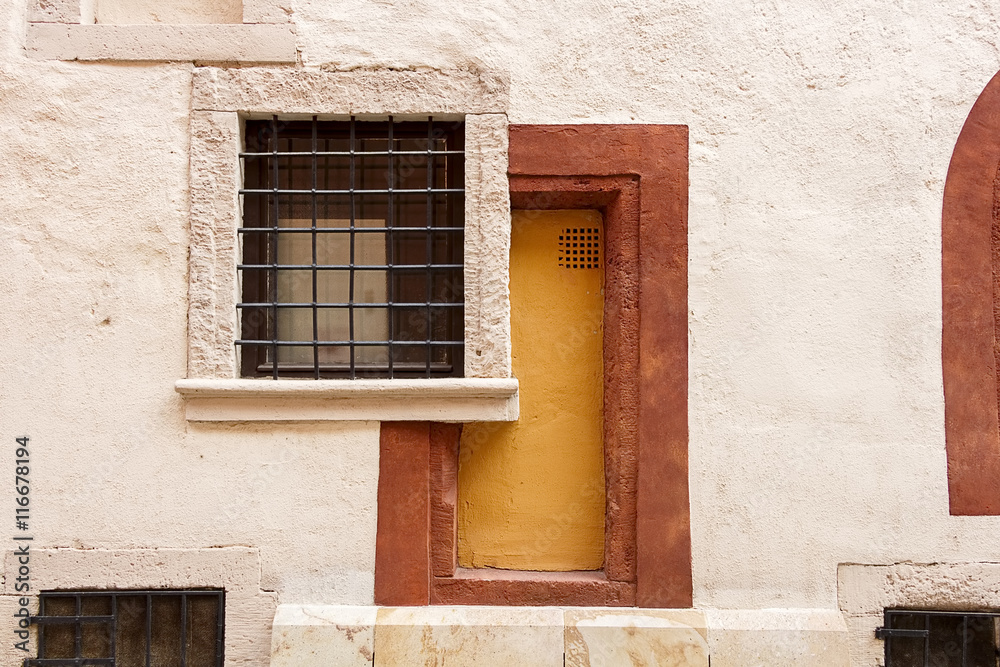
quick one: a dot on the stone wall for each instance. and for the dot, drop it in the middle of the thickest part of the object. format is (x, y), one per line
(820, 136)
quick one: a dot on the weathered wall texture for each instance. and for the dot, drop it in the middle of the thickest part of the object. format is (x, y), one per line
(820, 138)
(168, 11)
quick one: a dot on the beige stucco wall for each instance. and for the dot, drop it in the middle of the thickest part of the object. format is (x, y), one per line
(820, 139)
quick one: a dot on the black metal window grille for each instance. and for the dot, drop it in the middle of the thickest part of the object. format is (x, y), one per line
(940, 638)
(353, 242)
(130, 628)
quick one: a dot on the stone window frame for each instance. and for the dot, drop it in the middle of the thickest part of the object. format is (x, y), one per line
(970, 354)
(637, 175)
(249, 608)
(222, 99)
(66, 30)
(865, 591)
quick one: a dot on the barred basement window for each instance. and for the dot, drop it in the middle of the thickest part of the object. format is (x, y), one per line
(940, 638)
(130, 628)
(352, 249)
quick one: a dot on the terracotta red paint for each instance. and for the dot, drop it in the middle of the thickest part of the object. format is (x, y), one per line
(970, 241)
(637, 176)
(402, 544)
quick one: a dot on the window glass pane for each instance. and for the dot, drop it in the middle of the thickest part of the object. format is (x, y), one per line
(130, 636)
(60, 639)
(165, 647)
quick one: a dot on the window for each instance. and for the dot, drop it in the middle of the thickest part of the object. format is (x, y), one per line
(130, 628)
(944, 639)
(352, 260)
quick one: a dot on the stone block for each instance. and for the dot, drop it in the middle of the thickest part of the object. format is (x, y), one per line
(54, 11)
(323, 635)
(765, 638)
(470, 636)
(640, 637)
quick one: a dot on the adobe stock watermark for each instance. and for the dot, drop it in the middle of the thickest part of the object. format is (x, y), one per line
(22, 502)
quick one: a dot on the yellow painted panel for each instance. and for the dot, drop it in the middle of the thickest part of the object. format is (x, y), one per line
(531, 493)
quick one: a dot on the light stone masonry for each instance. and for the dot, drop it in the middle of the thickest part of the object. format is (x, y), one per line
(308, 635)
(418, 92)
(214, 217)
(865, 591)
(249, 609)
(54, 11)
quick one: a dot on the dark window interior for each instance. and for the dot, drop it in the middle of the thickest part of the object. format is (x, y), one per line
(130, 628)
(940, 639)
(352, 249)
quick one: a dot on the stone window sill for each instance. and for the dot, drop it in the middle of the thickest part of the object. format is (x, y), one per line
(440, 400)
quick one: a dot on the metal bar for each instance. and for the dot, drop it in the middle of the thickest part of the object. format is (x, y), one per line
(114, 626)
(430, 221)
(66, 620)
(344, 343)
(350, 290)
(345, 230)
(923, 612)
(274, 249)
(390, 248)
(888, 633)
(78, 639)
(59, 662)
(343, 153)
(306, 304)
(149, 630)
(401, 366)
(342, 267)
(41, 629)
(406, 191)
(220, 629)
(887, 621)
(315, 274)
(927, 641)
(184, 613)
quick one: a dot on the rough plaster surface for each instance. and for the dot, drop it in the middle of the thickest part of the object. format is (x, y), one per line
(259, 43)
(54, 11)
(820, 138)
(267, 11)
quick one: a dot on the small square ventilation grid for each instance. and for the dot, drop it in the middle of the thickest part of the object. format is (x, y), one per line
(580, 248)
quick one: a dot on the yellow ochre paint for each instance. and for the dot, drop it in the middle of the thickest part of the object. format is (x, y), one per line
(531, 493)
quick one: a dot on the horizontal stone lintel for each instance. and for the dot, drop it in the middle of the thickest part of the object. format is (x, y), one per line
(258, 43)
(443, 400)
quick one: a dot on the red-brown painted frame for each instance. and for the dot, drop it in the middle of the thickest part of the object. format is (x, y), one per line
(970, 270)
(637, 176)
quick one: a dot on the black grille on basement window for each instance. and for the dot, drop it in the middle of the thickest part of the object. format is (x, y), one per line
(352, 249)
(940, 638)
(130, 628)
